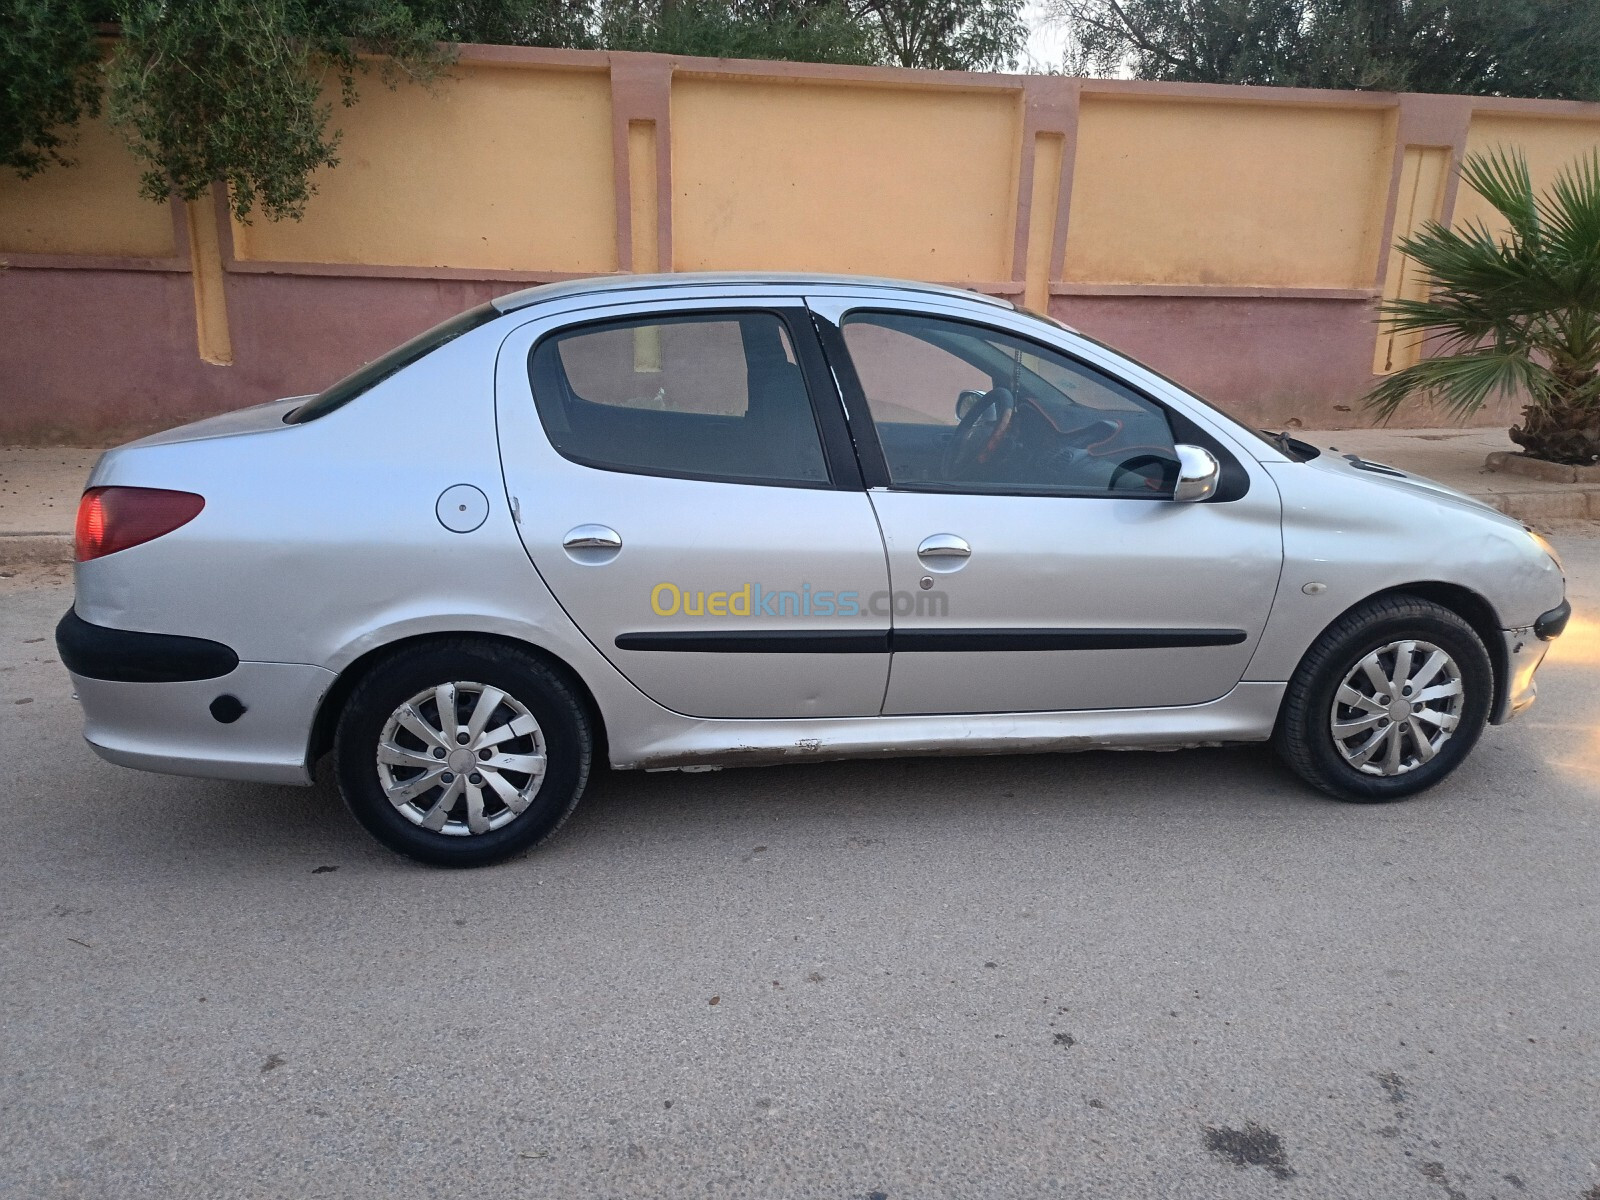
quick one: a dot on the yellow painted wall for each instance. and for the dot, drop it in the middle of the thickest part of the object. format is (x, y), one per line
(1424, 175)
(1228, 194)
(504, 167)
(1548, 143)
(92, 207)
(497, 168)
(830, 177)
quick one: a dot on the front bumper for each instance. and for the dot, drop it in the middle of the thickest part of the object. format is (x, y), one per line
(1525, 650)
(156, 704)
(1553, 623)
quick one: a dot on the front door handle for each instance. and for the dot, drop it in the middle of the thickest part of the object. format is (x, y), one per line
(944, 545)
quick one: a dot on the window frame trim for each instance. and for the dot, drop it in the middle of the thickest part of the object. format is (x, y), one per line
(875, 467)
(828, 418)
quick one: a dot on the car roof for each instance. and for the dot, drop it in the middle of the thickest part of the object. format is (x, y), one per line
(604, 284)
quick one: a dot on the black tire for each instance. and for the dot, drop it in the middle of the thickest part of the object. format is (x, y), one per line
(1303, 737)
(564, 727)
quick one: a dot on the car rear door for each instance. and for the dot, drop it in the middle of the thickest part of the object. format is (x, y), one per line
(1056, 576)
(685, 487)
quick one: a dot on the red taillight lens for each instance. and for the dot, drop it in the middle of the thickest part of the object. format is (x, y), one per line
(114, 518)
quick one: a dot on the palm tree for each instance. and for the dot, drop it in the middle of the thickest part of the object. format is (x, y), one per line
(1514, 313)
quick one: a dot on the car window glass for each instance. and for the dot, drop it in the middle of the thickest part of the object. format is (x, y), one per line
(363, 379)
(906, 377)
(715, 396)
(962, 407)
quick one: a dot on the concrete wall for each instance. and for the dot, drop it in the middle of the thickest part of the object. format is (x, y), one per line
(1234, 238)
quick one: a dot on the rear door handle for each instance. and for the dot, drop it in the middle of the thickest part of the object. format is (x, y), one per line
(944, 545)
(592, 545)
(592, 537)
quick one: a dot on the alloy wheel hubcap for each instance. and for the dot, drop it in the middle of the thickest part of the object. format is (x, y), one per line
(1397, 707)
(461, 759)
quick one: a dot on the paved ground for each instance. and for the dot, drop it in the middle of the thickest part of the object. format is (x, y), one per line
(1105, 975)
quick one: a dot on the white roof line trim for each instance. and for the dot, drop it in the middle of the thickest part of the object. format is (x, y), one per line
(599, 285)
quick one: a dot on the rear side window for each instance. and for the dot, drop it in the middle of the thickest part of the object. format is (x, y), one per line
(708, 396)
(402, 356)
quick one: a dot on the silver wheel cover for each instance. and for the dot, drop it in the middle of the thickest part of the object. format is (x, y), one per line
(1397, 707)
(461, 759)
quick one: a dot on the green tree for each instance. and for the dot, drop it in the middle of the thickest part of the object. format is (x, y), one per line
(510, 22)
(1541, 48)
(962, 35)
(1511, 314)
(231, 90)
(49, 80)
(959, 35)
(235, 91)
(792, 30)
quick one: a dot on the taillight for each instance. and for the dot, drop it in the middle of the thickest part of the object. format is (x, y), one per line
(114, 518)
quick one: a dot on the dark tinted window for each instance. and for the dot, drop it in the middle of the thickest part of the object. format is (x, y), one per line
(962, 407)
(402, 356)
(713, 396)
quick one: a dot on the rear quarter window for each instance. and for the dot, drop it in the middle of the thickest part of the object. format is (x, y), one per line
(365, 378)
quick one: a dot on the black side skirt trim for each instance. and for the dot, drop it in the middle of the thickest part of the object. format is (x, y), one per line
(124, 656)
(926, 641)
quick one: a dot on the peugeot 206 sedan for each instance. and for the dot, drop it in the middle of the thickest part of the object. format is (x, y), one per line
(697, 521)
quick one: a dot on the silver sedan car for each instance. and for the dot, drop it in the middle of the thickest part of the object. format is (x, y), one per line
(695, 521)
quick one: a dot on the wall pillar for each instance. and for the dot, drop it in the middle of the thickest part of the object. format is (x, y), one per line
(203, 223)
(1044, 184)
(1430, 140)
(641, 136)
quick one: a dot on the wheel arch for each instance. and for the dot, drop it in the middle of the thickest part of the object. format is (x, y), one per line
(1470, 606)
(326, 721)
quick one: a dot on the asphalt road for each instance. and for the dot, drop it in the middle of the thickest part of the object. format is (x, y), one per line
(1136, 975)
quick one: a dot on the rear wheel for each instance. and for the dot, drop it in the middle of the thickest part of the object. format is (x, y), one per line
(1388, 702)
(462, 753)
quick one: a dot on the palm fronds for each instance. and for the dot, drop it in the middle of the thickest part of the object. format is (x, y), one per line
(1508, 311)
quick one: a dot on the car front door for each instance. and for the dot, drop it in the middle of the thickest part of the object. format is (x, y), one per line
(1037, 560)
(684, 486)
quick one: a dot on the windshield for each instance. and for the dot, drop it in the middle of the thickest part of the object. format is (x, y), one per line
(1260, 435)
(379, 369)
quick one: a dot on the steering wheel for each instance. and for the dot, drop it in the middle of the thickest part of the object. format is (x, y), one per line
(971, 445)
(1089, 437)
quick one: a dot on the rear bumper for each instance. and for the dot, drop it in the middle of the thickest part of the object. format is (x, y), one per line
(171, 704)
(126, 656)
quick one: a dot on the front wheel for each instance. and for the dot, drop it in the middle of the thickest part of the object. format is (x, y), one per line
(462, 753)
(1388, 701)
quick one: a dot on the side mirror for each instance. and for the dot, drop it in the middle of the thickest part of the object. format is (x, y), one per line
(1198, 472)
(965, 401)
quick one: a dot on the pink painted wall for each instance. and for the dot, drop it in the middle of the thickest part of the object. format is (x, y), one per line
(96, 356)
(1272, 362)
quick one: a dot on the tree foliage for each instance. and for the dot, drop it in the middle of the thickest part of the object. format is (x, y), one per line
(48, 80)
(1538, 48)
(230, 91)
(237, 91)
(796, 30)
(963, 35)
(948, 34)
(1511, 312)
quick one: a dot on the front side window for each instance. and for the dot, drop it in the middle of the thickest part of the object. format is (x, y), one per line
(961, 407)
(704, 396)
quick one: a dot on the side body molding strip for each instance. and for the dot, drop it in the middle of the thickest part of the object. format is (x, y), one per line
(924, 641)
